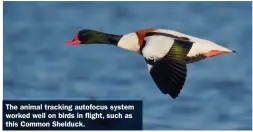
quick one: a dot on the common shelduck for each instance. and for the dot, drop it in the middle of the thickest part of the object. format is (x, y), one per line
(166, 52)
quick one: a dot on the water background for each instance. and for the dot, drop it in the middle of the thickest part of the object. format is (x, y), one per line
(217, 93)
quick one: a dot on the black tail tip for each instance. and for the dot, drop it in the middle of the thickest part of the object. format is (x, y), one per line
(234, 51)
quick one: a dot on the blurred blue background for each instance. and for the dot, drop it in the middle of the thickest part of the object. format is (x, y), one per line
(217, 93)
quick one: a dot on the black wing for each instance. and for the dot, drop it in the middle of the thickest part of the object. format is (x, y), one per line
(169, 73)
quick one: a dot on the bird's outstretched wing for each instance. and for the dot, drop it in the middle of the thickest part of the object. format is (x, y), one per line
(169, 73)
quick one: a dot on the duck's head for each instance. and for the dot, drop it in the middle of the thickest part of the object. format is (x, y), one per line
(87, 36)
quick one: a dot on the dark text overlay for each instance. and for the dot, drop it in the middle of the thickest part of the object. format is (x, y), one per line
(72, 115)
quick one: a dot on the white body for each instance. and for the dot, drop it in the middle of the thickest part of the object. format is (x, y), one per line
(158, 46)
(200, 45)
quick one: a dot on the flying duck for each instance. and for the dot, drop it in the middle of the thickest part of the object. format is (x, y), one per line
(166, 52)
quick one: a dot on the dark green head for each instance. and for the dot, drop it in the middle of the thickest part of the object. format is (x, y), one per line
(94, 37)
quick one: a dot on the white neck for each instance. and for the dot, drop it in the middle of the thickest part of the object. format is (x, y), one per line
(129, 42)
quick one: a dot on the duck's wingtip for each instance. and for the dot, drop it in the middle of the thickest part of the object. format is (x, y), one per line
(173, 96)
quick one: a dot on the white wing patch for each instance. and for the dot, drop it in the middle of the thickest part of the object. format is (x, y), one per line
(157, 47)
